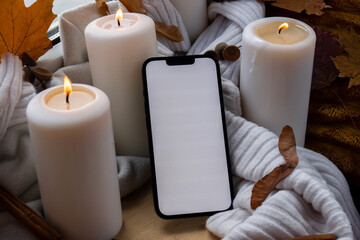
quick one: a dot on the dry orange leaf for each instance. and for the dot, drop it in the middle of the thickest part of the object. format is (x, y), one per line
(287, 148)
(103, 8)
(170, 32)
(134, 6)
(24, 29)
(349, 64)
(310, 6)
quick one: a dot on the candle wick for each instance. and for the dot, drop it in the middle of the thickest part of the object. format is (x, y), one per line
(280, 30)
(67, 98)
(118, 22)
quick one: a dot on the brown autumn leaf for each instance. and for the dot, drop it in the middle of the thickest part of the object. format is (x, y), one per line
(170, 32)
(134, 6)
(24, 29)
(287, 148)
(102, 7)
(310, 6)
(348, 64)
(324, 71)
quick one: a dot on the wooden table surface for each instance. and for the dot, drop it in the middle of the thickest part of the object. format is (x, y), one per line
(141, 221)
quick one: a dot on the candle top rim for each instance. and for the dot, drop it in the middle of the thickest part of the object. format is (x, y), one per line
(144, 23)
(254, 26)
(112, 22)
(59, 89)
(293, 34)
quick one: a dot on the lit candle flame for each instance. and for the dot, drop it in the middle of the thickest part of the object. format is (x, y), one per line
(283, 26)
(119, 16)
(67, 88)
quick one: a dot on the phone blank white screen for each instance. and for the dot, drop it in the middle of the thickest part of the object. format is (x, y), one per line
(188, 138)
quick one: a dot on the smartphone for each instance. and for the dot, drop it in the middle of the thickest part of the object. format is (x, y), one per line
(187, 136)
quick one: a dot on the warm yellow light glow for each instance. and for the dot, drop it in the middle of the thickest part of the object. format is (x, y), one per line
(119, 15)
(67, 85)
(283, 26)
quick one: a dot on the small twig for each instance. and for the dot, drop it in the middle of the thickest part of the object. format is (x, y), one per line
(28, 217)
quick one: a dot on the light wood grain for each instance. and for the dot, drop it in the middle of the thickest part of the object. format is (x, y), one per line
(141, 221)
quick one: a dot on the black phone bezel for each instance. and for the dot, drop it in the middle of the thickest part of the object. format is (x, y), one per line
(183, 60)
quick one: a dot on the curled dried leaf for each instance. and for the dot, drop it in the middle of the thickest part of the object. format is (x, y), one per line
(134, 6)
(170, 32)
(102, 7)
(287, 148)
(287, 145)
(264, 186)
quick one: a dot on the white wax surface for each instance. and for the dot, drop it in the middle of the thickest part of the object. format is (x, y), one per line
(110, 23)
(116, 55)
(76, 165)
(275, 78)
(293, 34)
(57, 100)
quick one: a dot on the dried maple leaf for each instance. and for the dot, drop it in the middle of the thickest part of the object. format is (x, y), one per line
(170, 32)
(102, 7)
(345, 158)
(348, 64)
(333, 112)
(325, 71)
(24, 29)
(134, 6)
(310, 6)
(336, 133)
(287, 148)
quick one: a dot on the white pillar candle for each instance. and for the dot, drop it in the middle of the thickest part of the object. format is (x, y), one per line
(76, 161)
(194, 16)
(116, 55)
(276, 73)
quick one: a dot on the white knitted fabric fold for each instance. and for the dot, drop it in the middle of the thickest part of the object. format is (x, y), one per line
(14, 93)
(314, 199)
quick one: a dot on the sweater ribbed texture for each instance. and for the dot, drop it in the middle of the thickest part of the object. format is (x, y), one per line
(313, 199)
